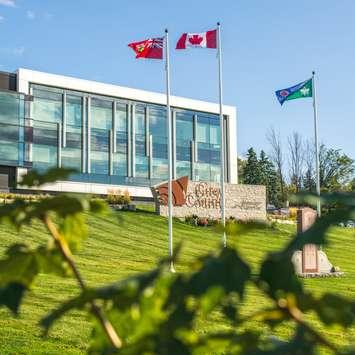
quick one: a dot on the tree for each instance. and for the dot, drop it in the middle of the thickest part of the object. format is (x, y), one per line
(335, 169)
(269, 178)
(309, 180)
(296, 159)
(241, 167)
(252, 173)
(277, 157)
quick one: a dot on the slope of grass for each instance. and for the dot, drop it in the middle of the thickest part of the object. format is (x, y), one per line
(130, 242)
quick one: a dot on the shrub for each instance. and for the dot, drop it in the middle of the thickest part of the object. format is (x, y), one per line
(116, 197)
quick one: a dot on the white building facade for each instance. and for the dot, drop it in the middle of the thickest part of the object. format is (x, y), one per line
(114, 137)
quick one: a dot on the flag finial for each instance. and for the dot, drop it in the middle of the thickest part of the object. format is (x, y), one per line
(166, 30)
(313, 72)
(218, 23)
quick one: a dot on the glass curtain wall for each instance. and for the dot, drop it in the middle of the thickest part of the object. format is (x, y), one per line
(48, 112)
(197, 136)
(184, 138)
(101, 124)
(159, 148)
(120, 156)
(140, 136)
(208, 148)
(11, 132)
(72, 148)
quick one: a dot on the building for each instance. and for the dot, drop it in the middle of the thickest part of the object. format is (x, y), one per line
(115, 137)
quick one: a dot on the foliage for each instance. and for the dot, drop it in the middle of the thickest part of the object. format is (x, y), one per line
(155, 312)
(269, 179)
(195, 220)
(252, 173)
(335, 168)
(241, 166)
(262, 172)
(116, 197)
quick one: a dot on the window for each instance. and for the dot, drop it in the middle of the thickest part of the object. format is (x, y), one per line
(72, 152)
(208, 143)
(158, 132)
(120, 157)
(101, 124)
(47, 106)
(184, 137)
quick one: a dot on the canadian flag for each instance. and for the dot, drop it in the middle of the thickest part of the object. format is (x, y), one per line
(204, 39)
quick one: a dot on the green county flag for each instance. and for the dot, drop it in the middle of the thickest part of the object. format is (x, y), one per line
(298, 91)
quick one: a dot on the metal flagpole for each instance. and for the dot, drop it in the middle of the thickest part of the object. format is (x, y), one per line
(316, 141)
(170, 168)
(223, 216)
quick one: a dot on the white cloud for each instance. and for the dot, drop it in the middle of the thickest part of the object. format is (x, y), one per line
(30, 14)
(10, 3)
(2, 18)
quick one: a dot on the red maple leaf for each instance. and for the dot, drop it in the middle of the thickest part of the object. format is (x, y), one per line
(195, 39)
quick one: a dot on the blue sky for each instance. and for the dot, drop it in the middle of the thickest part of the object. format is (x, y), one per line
(267, 45)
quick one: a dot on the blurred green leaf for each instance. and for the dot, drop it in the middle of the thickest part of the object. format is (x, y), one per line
(11, 296)
(277, 276)
(35, 179)
(335, 309)
(20, 266)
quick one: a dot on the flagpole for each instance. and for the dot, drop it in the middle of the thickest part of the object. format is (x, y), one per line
(170, 168)
(315, 114)
(221, 121)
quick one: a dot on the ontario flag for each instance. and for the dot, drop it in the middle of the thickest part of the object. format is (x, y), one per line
(203, 40)
(149, 48)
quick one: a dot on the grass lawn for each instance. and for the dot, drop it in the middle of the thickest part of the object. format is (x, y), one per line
(130, 242)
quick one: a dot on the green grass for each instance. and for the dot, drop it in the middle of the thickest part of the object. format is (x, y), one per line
(130, 242)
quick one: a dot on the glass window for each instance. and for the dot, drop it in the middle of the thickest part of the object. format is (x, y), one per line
(47, 106)
(72, 153)
(208, 148)
(120, 157)
(157, 122)
(10, 111)
(184, 137)
(121, 117)
(141, 159)
(101, 124)
(158, 132)
(101, 114)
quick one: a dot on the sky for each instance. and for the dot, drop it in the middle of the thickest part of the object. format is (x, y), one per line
(267, 45)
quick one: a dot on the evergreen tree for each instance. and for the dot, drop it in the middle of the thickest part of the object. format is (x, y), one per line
(269, 178)
(252, 173)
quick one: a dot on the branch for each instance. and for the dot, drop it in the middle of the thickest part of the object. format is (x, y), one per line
(95, 309)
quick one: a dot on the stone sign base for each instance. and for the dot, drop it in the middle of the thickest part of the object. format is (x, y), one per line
(311, 261)
(242, 202)
(325, 267)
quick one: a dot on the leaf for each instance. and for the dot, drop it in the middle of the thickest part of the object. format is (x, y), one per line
(73, 229)
(227, 270)
(36, 179)
(11, 296)
(51, 261)
(20, 266)
(317, 233)
(277, 276)
(335, 309)
(123, 294)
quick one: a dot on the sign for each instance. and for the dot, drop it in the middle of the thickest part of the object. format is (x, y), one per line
(246, 202)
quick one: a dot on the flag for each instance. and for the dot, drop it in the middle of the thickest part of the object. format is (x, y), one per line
(149, 48)
(298, 91)
(203, 40)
